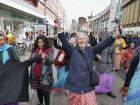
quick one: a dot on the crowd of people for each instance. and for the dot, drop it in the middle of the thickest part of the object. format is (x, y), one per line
(79, 58)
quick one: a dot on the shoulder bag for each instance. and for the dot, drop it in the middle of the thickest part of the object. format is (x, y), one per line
(94, 78)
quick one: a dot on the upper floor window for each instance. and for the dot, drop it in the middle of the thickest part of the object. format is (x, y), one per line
(33, 2)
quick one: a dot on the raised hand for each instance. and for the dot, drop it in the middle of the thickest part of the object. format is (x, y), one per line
(58, 25)
(116, 32)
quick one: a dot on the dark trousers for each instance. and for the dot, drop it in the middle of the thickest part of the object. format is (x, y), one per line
(45, 94)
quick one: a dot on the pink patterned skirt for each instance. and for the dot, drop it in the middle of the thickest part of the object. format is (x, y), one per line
(82, 99)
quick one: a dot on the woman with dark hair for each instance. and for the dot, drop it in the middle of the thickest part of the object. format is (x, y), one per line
(45, 41)
(41, 69)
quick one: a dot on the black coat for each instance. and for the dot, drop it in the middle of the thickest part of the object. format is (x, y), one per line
(92, 40)
(131, 70)
(14, 81)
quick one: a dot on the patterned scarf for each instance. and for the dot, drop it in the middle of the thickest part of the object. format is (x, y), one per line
(38, 67)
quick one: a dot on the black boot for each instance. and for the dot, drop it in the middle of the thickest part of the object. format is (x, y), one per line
(111, 94)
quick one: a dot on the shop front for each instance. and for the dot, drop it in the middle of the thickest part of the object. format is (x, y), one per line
(15, 22)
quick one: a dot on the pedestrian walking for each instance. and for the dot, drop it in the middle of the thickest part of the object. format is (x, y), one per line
(42, 70)
(81, 90)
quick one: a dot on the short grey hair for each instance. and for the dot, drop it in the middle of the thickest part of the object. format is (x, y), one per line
(83, 34)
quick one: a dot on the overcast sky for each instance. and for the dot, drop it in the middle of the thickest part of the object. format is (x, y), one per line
(77, 8)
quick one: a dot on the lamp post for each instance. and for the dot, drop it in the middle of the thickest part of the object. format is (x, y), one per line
(45, 21)
(45, 9)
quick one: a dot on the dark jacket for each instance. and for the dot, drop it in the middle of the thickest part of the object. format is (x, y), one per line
(92, 40)
(131, 70)
(78, 79)
(14, 78)
(106, 62)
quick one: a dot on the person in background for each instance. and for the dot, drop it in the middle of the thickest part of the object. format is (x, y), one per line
(127, 55)
(119, 45)
(39, 69)
(104, 67)
(138, 40)
(92, 40)
(127, 40)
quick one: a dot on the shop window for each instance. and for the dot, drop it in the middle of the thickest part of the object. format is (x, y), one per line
(7, 25)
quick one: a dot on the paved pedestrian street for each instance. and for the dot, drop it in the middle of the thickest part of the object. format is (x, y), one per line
(105, 33)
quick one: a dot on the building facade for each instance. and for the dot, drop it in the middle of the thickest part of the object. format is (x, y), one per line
(82, 24)
(20, 16)
(103, 21)
(74, 25)
(99, 23)
(131, 15)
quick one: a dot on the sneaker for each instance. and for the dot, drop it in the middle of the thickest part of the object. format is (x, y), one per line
(111, 94)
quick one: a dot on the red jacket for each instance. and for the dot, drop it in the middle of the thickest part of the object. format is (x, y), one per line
(127, 57)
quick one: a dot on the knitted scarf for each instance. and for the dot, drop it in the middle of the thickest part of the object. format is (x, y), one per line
(3, 49)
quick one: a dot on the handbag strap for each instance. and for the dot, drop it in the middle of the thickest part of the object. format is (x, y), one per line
(85, 60)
